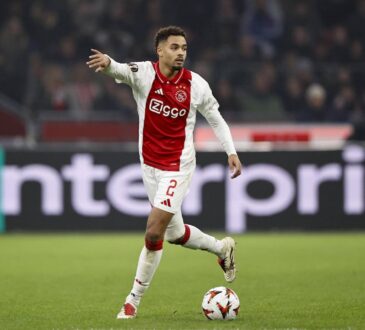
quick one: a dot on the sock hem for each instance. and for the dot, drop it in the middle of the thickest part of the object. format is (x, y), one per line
(186, 235)
(154, 246)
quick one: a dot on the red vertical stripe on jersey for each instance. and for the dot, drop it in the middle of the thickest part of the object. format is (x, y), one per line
(167, 109)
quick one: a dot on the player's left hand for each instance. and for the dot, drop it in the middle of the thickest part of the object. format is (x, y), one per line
(235, 165)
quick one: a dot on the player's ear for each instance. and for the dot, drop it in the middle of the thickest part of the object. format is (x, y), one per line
(159, 50)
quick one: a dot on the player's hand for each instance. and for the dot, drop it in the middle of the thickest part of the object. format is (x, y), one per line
(98, 61)
(235, 165)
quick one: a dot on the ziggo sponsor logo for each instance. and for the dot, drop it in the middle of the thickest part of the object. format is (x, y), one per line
(159, 107)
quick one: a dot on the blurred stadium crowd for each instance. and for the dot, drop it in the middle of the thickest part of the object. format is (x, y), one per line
(271, 60)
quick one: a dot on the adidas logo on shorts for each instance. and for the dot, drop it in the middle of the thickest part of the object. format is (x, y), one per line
(166, 202)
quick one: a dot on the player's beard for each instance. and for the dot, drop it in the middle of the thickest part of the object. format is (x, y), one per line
(178, 67)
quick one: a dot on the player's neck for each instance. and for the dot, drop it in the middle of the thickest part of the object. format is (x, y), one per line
(167, 71)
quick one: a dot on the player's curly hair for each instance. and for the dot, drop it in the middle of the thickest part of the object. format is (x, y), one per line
(163, 33)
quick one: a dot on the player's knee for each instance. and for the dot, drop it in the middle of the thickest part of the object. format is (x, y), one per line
(153, 235)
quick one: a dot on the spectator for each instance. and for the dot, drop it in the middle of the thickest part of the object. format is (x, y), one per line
(116, 98)
(260, 102)
(248, 50)
(227, 18)
(54, 92)
(45, 25)
(300, 42)
(83, 91)
(263, 21)
(293, 96)
(13, 46)
(315, 108)
(302, 14)
(333, 12)
(340, 48)
(358, 115)
(356, 52)
(227, 99)
(343, 105)
(356, 21)
(321, 54)
(336, 79)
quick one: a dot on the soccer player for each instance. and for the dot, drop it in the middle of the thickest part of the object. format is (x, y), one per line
(168, 97)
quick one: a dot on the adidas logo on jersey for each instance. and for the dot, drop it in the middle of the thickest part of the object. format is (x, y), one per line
(166, 202)
(159, 91)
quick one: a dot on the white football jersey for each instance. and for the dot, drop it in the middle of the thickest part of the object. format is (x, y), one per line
(167, 113)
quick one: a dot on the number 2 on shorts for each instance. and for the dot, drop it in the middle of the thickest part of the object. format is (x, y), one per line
(173, 184)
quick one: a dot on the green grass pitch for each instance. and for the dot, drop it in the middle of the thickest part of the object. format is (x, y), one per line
(79, 281)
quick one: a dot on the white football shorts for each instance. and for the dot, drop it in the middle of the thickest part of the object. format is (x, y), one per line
(166, 189)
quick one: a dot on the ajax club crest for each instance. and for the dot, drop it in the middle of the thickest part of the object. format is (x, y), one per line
(181, 95)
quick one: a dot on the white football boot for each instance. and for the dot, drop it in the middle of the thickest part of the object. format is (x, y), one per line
(227, 262)
(128, 311)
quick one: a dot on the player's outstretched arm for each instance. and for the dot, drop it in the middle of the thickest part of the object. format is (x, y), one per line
(235, 165)
(98, 61)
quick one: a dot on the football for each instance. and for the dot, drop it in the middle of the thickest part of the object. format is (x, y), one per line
(220, 303)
